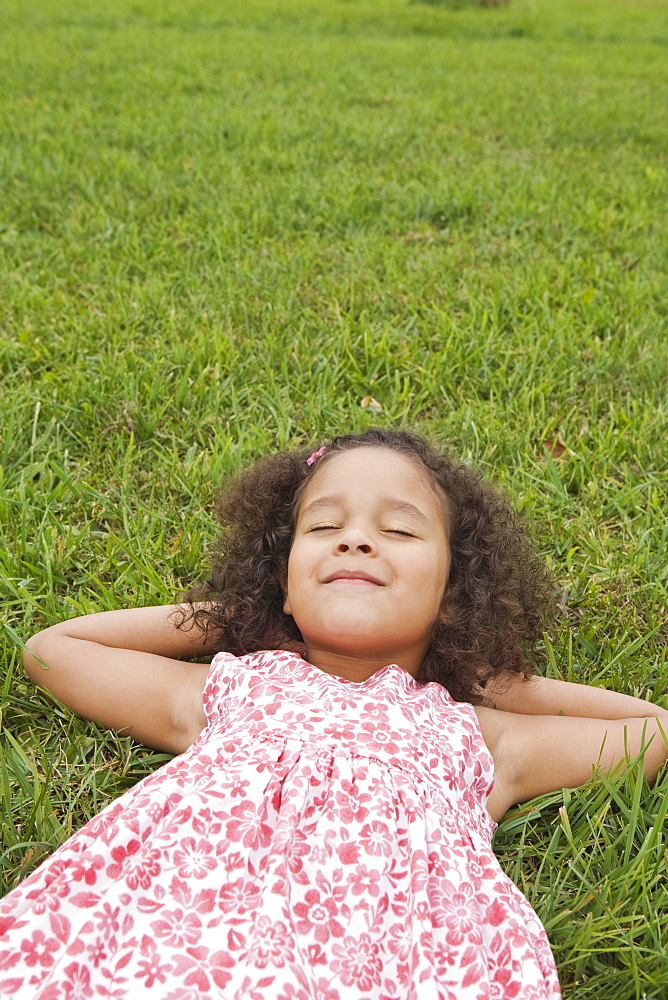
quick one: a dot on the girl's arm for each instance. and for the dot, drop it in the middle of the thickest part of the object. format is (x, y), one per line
(545, 696)
(125, 670)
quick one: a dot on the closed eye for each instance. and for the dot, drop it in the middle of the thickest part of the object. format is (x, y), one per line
(389, 531)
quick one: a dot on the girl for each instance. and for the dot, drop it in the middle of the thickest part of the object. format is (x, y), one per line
(367, 718)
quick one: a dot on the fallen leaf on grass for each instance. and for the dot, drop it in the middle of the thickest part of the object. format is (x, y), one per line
(410, 237)
(372, 404)
(555, 446)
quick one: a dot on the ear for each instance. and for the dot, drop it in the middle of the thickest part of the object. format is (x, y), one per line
(286, 604)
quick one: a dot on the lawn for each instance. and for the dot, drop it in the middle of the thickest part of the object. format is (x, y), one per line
(223, 227)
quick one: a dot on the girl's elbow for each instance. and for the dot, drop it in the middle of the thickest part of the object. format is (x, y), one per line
(35, 652)
(650, 738)
(661, 715)
(31, 664)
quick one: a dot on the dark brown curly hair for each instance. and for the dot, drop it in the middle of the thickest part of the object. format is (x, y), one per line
(496, 605)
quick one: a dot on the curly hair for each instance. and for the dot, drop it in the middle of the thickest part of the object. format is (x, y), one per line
(498, 596)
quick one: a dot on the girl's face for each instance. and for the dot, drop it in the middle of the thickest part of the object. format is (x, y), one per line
(369, 562)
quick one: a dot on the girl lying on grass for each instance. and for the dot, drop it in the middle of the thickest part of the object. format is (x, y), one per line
(368, 716)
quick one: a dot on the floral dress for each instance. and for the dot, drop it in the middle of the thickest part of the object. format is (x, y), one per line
(321, 840)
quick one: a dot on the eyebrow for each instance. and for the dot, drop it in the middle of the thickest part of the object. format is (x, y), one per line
(338, 499)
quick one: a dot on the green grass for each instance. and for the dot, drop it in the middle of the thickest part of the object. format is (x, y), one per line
(223, 226)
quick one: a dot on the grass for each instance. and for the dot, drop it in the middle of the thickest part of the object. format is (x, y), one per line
(222, 228)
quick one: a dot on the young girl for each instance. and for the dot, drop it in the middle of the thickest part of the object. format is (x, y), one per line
(325, 832)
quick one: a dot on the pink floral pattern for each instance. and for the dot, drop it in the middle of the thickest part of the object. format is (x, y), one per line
(321, 840)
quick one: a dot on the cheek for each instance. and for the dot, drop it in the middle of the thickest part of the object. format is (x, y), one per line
(439, 577)
(294, 573)
(286, 585)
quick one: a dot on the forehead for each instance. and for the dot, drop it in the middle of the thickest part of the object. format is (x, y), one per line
(371, 473)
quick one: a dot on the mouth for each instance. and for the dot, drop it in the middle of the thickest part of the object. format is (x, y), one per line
(354, 577)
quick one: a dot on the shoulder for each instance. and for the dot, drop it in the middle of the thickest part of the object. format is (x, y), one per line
(493, 726)
(535, 754)
(496, 731)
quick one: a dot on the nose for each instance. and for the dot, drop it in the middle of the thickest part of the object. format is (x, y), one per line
(355, 540)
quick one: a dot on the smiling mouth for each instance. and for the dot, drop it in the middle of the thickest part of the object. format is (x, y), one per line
(355, 578)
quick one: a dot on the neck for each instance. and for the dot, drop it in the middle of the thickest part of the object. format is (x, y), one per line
(358, 667)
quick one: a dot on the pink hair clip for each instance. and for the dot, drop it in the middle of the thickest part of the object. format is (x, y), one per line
(316, 455)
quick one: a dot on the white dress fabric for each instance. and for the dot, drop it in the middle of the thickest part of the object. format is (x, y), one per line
(321, 840)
